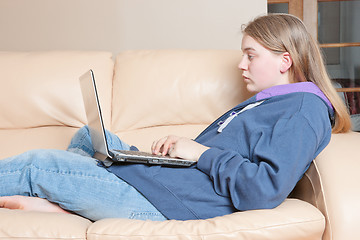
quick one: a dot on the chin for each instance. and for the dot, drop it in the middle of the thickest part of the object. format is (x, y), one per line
(251, 88)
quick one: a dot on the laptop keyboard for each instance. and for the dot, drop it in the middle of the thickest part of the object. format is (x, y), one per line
(141, 154)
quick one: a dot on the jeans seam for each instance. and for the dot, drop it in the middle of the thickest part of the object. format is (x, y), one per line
(10, 172)
(135, 214)
(74, 174)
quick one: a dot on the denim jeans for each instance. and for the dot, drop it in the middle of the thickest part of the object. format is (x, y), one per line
(74, 180)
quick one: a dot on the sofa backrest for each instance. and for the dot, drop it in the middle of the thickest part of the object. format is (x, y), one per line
(152, 94)
(162, 92)
(40, 99)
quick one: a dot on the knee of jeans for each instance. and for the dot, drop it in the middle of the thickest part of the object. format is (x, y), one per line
(81, 137)
(83, 131)
(85, 128)
(34, 154)
(38, 157)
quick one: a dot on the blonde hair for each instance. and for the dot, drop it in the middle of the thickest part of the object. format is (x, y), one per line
(286, 33)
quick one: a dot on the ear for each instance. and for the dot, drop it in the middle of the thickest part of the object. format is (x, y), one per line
(286, 62)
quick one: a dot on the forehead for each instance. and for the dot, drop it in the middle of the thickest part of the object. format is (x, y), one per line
(250, 44)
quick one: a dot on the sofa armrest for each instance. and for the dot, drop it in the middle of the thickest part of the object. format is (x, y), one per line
(293, 219)
(331, 184)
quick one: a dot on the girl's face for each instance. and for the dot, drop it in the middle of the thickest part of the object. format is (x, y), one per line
(261, 67)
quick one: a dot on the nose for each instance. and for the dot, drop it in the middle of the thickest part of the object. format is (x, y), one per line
(243, 65)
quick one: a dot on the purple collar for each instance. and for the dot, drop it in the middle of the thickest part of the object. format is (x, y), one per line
(291, 88)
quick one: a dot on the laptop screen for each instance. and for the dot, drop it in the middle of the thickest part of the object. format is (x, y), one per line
(93, 114)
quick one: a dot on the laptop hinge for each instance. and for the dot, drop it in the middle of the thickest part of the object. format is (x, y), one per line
(103, 158)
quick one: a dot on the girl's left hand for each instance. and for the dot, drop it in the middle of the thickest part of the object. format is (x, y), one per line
(178, 147)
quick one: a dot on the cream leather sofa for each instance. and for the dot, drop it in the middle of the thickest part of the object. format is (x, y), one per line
(145, 95)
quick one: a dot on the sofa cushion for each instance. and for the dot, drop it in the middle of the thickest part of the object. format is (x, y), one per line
(18, 224)
(173, 92)
(292, 220)
(41, 103)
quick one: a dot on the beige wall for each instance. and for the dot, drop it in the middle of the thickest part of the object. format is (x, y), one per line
(117, 25)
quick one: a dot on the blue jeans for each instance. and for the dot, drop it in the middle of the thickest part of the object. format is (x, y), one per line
(74, 180)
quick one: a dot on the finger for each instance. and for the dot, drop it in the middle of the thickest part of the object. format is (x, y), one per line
(168, 144)
(166, 148)
(158, 145)
(172, 151)
(153, 146)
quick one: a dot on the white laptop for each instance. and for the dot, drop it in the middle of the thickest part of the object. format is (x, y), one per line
(98, 136)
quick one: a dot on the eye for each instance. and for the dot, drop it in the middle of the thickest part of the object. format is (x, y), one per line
(250, 57)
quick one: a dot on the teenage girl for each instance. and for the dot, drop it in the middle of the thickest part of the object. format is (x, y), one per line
(250, 158)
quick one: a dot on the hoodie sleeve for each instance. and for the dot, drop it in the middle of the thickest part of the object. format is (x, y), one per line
(279, 158)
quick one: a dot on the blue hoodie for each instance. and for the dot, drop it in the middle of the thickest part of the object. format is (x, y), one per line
(254, 160)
